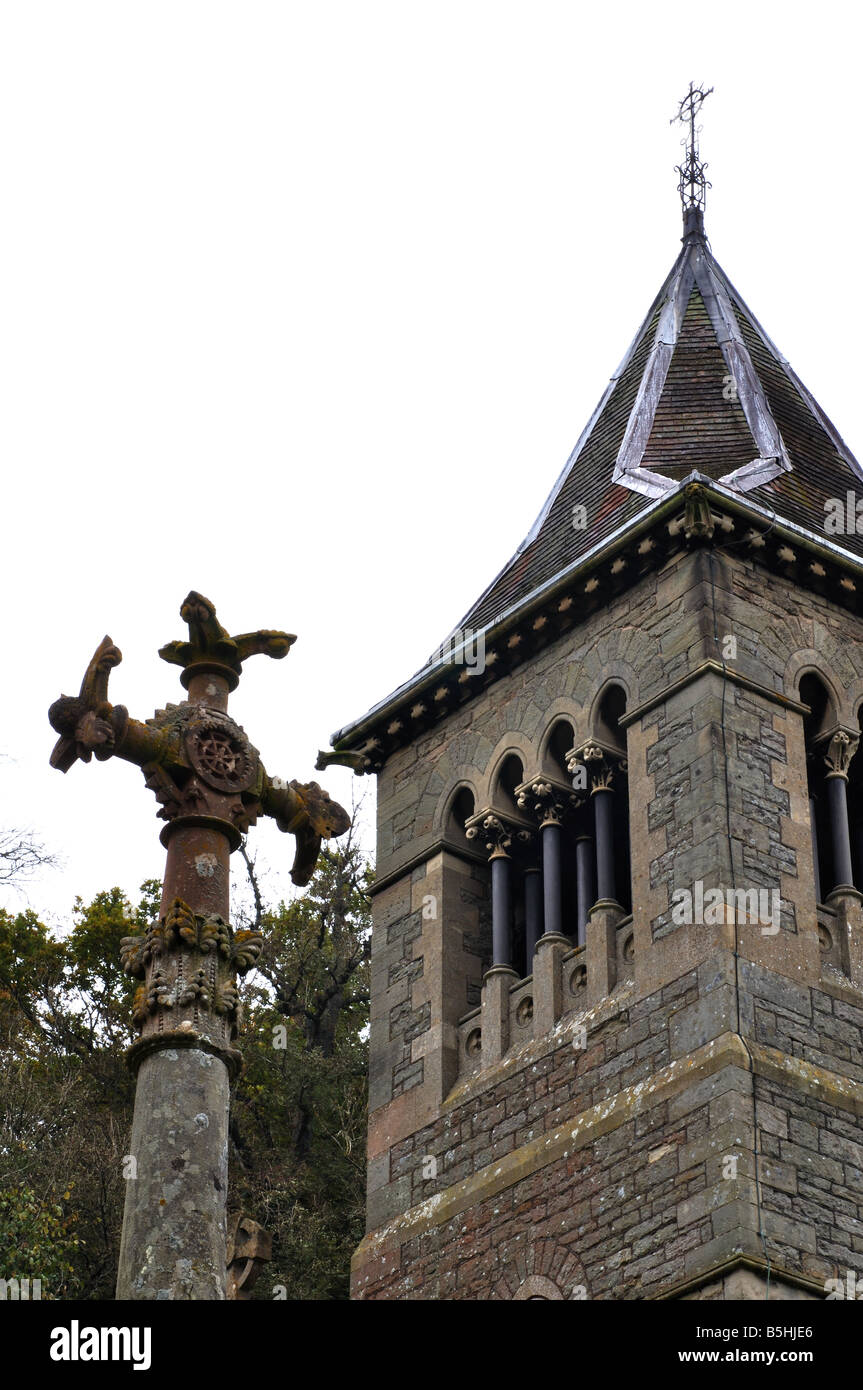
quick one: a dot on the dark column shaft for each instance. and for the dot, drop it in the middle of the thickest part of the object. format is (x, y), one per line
(551, 878)
(603, 805)
(501, 910)
(532, 912)
(584, 865)
(837, 792)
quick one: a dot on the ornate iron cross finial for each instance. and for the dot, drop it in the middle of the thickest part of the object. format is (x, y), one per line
(693, 185)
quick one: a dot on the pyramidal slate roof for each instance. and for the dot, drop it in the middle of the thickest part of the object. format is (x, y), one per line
(702, 398)
(702, 388)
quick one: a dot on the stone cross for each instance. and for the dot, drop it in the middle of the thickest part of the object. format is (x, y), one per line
(211, 786)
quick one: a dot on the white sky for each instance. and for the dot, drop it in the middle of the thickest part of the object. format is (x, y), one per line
(304, 306)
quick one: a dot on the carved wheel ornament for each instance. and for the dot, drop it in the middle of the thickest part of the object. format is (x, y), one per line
(220, 754)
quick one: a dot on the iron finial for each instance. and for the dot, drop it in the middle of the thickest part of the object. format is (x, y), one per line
(693, 185)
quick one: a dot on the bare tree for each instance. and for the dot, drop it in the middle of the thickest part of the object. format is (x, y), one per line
(21, 856)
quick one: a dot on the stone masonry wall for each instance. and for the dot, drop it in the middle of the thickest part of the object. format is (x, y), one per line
(707, 756)
(618, 1182)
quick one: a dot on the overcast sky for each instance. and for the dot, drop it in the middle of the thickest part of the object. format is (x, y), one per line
(305, 305)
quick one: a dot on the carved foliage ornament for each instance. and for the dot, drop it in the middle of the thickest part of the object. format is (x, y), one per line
(549, 803)
(594, 764)
(840, 749)
(181, 927)
(198, 939)
(498, 834)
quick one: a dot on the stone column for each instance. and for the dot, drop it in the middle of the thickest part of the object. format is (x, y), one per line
(501, 908)
(603, 810)
(499, 833)
(597, 766)
(498, 980)
(841, 745)
(552, 885)
(550, 802)
(174, 1239)
(211, 787)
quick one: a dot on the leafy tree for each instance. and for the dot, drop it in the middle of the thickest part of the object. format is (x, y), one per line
(298, 1116)
(66, 1091)
(38, 1241)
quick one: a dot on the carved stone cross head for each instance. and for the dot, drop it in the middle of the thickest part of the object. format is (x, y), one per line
(196, 759)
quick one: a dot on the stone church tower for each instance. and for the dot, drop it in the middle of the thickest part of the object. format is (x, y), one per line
(617, 963)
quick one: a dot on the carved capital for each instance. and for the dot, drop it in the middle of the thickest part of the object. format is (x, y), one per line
(548, 800)
(498, 833)
(838, 747)
(594, 766)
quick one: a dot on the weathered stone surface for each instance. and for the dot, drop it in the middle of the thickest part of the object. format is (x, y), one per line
(174, 1236)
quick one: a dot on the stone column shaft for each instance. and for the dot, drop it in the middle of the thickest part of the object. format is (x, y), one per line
(501, 909)
(552, 887)
(174, 1236)
(837, 793)
(603, 807)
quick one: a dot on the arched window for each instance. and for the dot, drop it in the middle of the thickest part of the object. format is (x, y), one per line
(473, 906)
(510, 775)
(558, 746)
(611, 711)
(816, 723)
(600, 769)
(461, 809)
